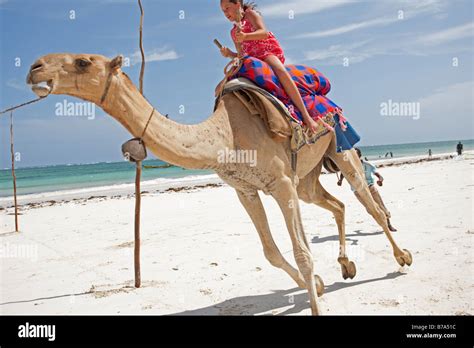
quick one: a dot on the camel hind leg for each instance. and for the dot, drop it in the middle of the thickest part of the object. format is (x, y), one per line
(349, 164)
(286, 196)
(254, 207)
(310, 190)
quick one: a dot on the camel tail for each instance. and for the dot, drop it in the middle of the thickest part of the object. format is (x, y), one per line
(330, 166)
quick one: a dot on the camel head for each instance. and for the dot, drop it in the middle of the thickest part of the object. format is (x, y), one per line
(80, 75)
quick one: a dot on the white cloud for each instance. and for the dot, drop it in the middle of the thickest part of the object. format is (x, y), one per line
(335, 54)
(449, 99)
(412, 8)
(348, 28)
(433, 6)
(448, 35)
(282, 8)
(387, 14)
(156, 55)
(408, 44)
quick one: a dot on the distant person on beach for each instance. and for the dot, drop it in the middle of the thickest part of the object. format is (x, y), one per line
(459, 148)
(430, 153)
(369, 170)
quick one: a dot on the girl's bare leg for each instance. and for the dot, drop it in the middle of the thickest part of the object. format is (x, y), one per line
(291, 89)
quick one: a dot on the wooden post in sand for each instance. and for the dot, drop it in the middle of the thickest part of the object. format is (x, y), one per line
(13, 171)
(138, 170)
(137, 224)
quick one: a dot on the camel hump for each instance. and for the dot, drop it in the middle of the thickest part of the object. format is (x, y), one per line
(261, 103)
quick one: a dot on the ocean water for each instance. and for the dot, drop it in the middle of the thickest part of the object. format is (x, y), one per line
(32, 180)
(414, 149)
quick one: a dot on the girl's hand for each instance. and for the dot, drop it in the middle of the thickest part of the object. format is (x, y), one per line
(240, 37)
(227, 52)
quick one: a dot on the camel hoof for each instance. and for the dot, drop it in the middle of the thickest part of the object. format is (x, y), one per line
(348, 270)
(405, 259)
(408, 257)
(319, 285)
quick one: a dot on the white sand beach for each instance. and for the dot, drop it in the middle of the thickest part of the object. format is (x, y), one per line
(201, 254)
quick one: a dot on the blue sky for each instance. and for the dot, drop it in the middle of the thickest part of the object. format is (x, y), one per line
(414, 51)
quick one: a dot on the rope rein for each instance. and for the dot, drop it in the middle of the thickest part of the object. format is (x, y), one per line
(105, 94)
(102, 100)
(21, 105)
(229, 70)
(148, 122)
(107, 87)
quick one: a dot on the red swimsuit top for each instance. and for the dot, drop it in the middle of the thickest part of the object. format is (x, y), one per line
(260, 49)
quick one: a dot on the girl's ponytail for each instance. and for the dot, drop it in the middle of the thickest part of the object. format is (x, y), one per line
(248, 5)
(245, 5)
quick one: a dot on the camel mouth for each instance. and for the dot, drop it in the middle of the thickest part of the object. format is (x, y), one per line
(43, 88)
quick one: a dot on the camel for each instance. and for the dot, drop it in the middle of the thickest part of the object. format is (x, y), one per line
(100, 80)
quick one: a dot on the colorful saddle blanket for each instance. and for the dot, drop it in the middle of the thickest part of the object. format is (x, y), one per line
(313, 87)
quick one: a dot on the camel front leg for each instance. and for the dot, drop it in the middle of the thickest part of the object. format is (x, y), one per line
(349, 164)
(254, 207)
(287, 198)
(310, 190)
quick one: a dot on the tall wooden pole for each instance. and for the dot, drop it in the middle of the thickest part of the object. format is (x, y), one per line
(13, 171)
(138, 170)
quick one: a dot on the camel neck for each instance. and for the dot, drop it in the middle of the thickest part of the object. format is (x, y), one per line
(188, 146)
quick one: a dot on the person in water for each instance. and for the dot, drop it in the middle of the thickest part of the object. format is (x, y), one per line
(369, 170)
(252, 38)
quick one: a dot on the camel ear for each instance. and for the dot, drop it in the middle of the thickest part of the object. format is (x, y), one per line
(116, 63)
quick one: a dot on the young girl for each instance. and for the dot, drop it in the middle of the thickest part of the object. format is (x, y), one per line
(254, 40)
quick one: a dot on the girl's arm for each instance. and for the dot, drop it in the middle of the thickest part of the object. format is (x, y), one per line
(261, 31)
(238, 47)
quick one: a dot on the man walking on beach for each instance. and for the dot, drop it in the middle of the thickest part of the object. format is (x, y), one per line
(459, 148)
(370, 169)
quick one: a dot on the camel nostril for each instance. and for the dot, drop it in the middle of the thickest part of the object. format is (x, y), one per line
(36, 66)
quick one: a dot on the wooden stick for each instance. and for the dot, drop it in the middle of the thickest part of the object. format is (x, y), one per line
(13, 171)
(142, 69)
(218, 44)
(138, 169)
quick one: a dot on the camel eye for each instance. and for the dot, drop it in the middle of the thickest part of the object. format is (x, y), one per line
(83, 63)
